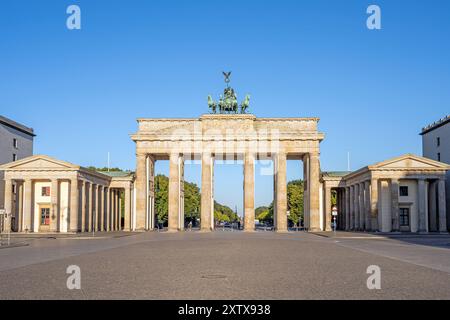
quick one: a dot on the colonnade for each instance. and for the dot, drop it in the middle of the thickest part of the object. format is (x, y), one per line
(145, 190)
(376, 205)
(74, 206)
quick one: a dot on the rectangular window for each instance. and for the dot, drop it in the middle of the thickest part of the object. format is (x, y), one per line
(14, 157)
(15, 143)
(438, 141)
(45, 216)
(439, 156)
(404, 217)
(46, 191)
(403, 191)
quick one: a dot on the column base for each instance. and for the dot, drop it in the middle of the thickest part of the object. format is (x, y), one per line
(314, 230)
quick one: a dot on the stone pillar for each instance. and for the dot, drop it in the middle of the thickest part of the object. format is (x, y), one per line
(108, 209)
(89, 207)
(19, 207)
(95, 209)
(395, 209)
(367, 210)
(374, 204)
(433, 207)
(421, 199)
(28, 214)
(141, 191)
(327, 206)
(340, 217)
(281, 194)
(362, 210)
(305, 192)
(314, 183)
(442, 206)
(83, 207)
(127, 226)
(207, 204)
(74, 192)
(113, 210)
(8, 203)
(151, 194)
(119, 210)
(351, 207)
(102, 211)
(356, 206)
(54, 215)
(347, 208)
(249, 192)
(174, 192)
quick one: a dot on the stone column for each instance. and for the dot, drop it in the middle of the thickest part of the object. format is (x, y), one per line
(119, 209)
(174, 192)
(356, 206)
(327, 206)
(89, 207)
(28, 214)
(351, 207)
(421, 199)
(127, 226)
(395, 209)
(113, 209)
(102, 211)
(108, 209)
(347, 208)
(367, 206)
(305, 192)
(83, 206)
(314, 183)
(95, 209)
(362, 211)
(54, 215)
(74, 192)
(206, 195)
(374, 204)
(141, 191)
(8, 203)
(19, 207)
(151, 194)
(249, 192)
(442, 206)
(433, 207)
(281, 198)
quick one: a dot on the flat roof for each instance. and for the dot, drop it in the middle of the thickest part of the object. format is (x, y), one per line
(435, 125)
(15, 125)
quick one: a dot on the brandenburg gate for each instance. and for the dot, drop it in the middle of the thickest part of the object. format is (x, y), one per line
(226, 134)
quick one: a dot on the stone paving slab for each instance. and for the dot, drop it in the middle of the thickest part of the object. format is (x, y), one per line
(219, 265)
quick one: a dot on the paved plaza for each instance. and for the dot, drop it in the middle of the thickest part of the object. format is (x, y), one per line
(226, 265)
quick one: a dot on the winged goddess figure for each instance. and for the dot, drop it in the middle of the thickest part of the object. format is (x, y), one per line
(227, 76)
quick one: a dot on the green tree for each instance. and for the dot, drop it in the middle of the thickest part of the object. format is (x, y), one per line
(295, 194)
(192, 200)
(161, 197)
(225, 211)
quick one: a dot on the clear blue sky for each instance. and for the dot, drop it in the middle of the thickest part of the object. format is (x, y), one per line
(82, 90)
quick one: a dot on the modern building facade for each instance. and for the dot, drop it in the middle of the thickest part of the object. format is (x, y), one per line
(436, 146)
(16, 142)
(57, 196)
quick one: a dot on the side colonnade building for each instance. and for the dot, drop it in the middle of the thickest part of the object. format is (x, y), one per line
(46, 195)
(404, 194)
